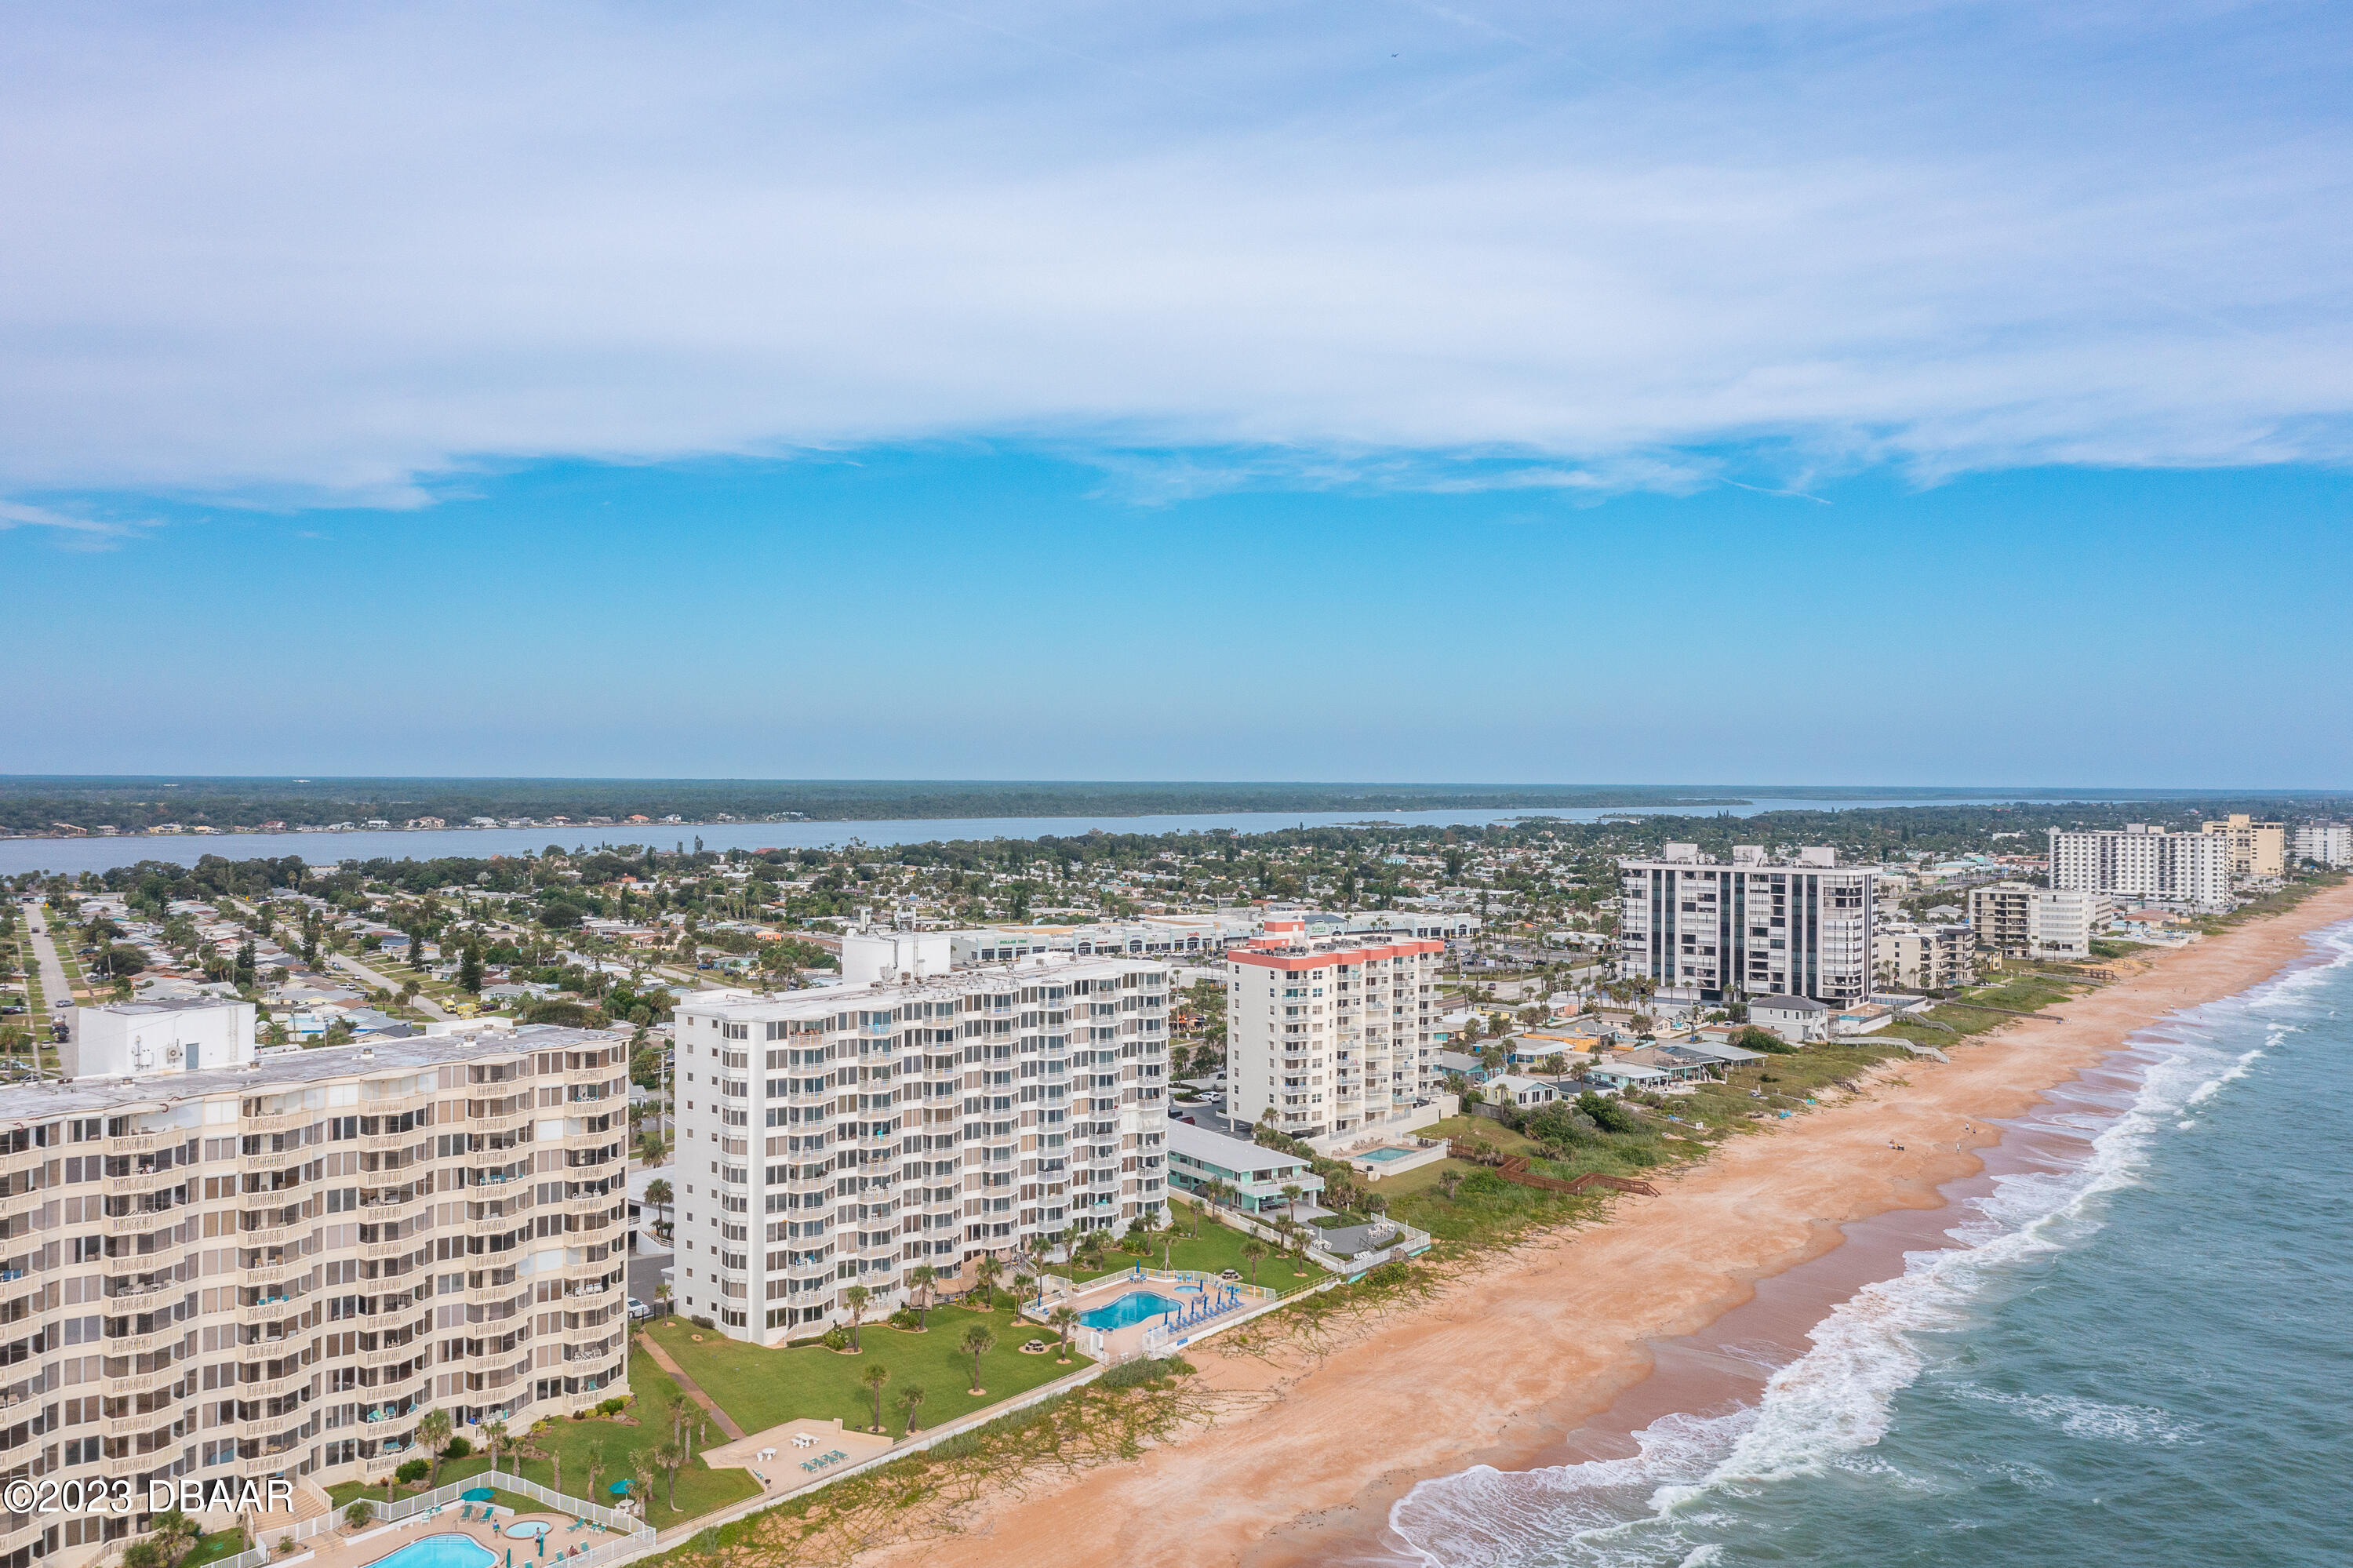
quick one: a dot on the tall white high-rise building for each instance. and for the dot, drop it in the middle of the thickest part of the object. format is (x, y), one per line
(1711, 931)
(1329, 1034)
(2324, 843)
(2143, 862)
(843, 1135)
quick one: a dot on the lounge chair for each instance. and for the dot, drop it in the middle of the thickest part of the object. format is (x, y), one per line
(466, 1513)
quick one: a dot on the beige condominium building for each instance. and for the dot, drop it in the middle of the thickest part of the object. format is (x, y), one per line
(2253, 849)
(1329, 1034)
(2018, 919)
(225, 1265)
(1922, 957)
(846, 1136)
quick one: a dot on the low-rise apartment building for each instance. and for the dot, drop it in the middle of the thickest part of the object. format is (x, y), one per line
(2018, 919)
(2253, 850)
(274, 1263)
(1922, 957)
(1329, 1034)
(847, 1134)
(2143, 862)
(1246, 1176)
(1707, 931)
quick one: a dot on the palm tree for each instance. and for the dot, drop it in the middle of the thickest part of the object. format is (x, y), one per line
(670, 1456)
(355, 1517)
(921, 1278)
(1064, 1319)
(977, 1342)
(494, 1438)
(641, 1471)
(874, 1377)
(659, 1193)
(556, 1468)
(595, 1458)
(988, 1271)
(1291, 1191)
(175, 1532)
(910, 1398)
(1252, 1252)
(855, 1299)
(434, 1433)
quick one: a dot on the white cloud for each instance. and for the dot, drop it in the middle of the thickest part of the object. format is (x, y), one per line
(75, 531)
(318, 255)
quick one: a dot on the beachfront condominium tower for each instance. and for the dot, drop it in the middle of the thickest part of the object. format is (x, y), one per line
(2018, 919)
(1329, 1034)
(1708, 931)
(2255, 849)
(226, 1264)
(2143, 862)
(845, 1136)
(2324, 843)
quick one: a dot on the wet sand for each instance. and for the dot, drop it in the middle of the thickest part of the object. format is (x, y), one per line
(1677, 1302)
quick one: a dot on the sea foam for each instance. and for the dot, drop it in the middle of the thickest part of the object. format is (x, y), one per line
(1821, 1412)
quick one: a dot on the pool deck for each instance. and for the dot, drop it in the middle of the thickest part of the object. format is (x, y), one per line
(781, 1471)
(1119, 1344)
(333, 1549)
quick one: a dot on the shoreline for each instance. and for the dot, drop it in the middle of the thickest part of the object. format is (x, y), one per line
(1563, 1349)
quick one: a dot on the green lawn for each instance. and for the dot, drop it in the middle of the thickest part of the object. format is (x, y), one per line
(700, 1489)
(1217, 1249)
(762, 1388)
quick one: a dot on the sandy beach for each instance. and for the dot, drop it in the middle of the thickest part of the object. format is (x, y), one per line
(1502, 1365)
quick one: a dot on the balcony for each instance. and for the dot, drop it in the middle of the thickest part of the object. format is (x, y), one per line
(139, 1183)
(274, 1310)
(152, 1340)
(277, 1159)
(141, 1222)
(378, 1251)
(392, 1142)
(140, 1426)
(131, 1383)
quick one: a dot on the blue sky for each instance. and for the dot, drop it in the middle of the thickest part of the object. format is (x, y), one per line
(1906, 393)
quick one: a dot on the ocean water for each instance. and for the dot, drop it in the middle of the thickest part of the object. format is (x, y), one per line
(2137, 1357)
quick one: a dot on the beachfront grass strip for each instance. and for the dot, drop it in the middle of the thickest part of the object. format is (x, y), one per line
(934, 1494)
(761, 1388)
(1217, 1248)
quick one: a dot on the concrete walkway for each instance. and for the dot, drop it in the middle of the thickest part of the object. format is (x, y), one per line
(693, 1390)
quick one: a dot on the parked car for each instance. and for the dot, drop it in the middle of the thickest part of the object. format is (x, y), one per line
(639, 1308)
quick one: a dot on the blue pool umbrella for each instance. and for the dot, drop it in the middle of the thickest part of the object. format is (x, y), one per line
(541, 1539)
(476, 1494)
(619, 1489)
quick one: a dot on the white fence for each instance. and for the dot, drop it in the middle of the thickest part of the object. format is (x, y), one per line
(627, 1536)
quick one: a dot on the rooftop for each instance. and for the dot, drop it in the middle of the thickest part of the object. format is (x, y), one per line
(274, 1073)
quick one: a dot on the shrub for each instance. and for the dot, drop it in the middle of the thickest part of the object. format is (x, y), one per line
(836, 1338)
(1129, 1374)
(356, 1516)
(904, 1318)
(613, 1406)
(702, 1322)
(413, 1471)
(457, 1449)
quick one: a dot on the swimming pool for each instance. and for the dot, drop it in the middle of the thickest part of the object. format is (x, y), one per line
(527, 1528)
(442, 1552)
(1383, 1156)
(1135, 1307)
